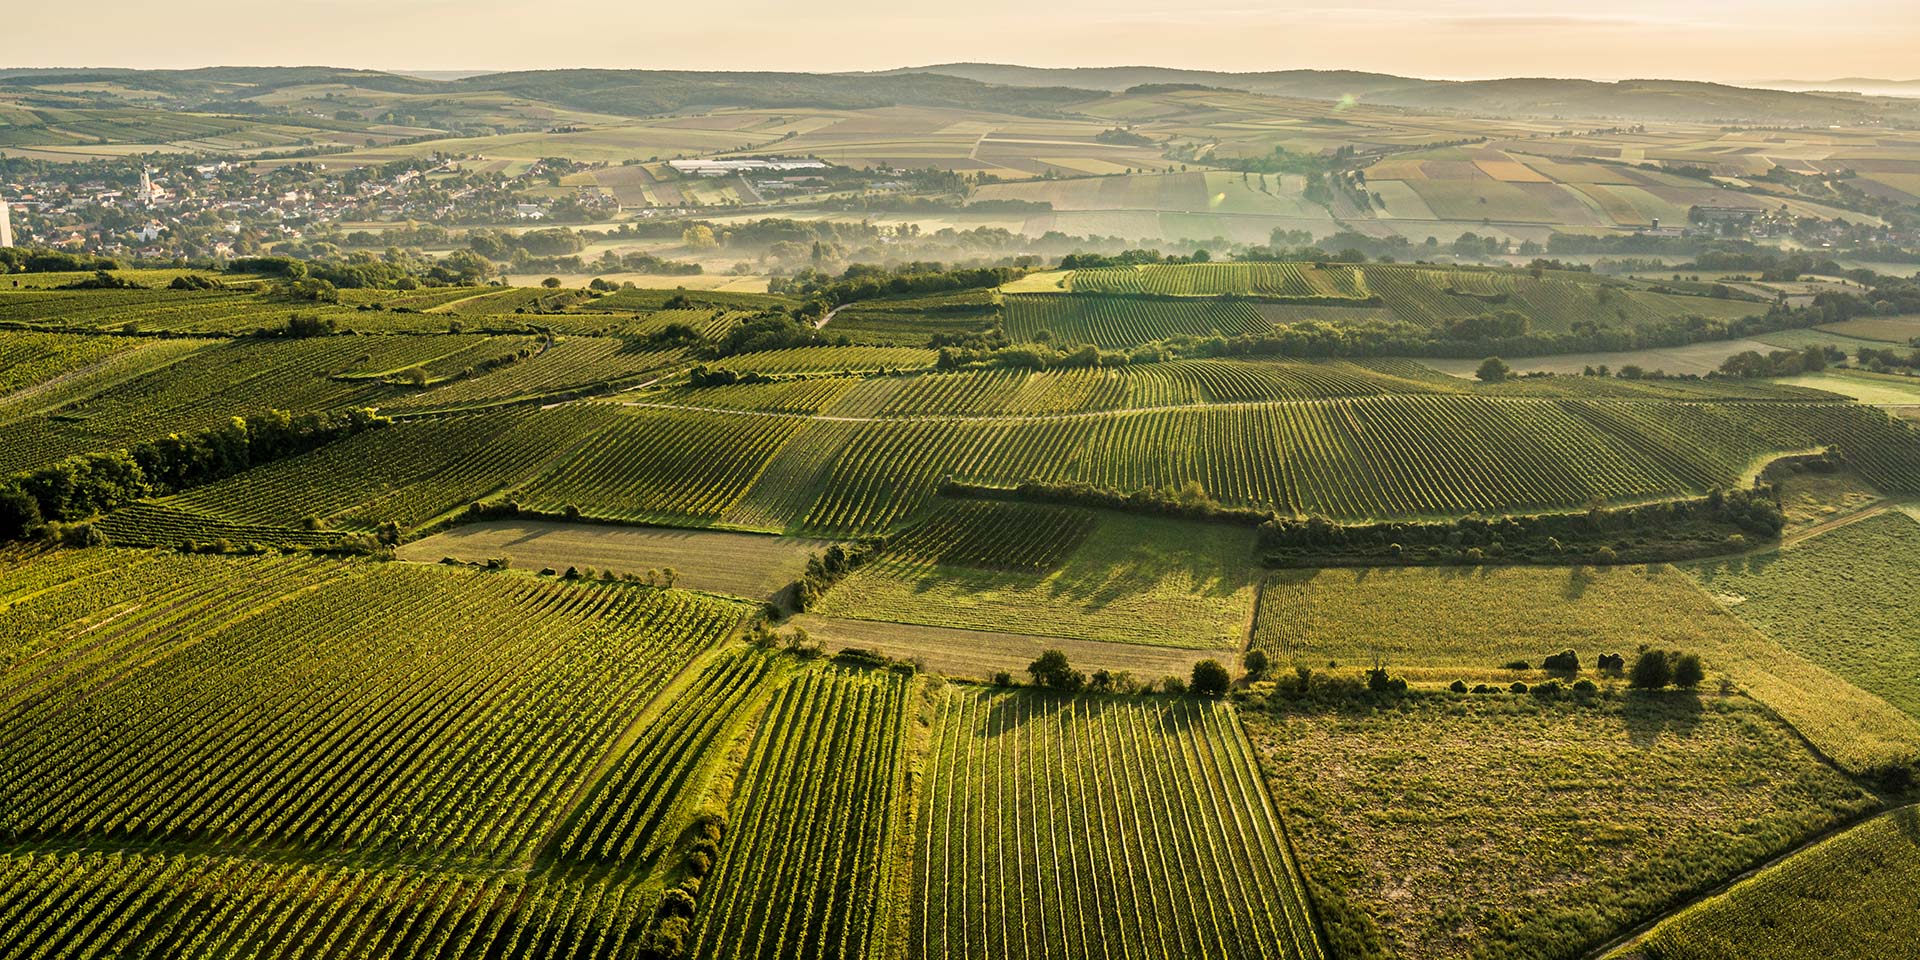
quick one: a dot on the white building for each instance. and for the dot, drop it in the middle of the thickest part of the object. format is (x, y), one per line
(723, 168)
(6, 223)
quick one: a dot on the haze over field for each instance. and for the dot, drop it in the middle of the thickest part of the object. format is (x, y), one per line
(1724, 40)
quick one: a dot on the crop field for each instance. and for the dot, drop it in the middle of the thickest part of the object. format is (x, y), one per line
(1127, 579)
(739, 564)
(1854, 889)
(1826, 599)
(979, 654)
(1471, 805)
(805, 870)
(1089, 827)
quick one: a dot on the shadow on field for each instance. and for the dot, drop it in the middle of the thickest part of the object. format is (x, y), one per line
(1647, 716)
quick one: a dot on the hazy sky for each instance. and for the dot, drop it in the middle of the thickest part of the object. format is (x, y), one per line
(1732, 40)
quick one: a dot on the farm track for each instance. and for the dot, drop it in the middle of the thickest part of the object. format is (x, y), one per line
(1869, 511)
(1230, 405)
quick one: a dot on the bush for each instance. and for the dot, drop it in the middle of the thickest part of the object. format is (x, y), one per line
(1516, 665)
(1584, 686)
(1210, 679)
(1255, 663)
(1611, 663)
(1652, 670)
(1688, 671)
(1003, 679)
(1519, 686)
(1053, 671)
(1458, 686)
(1566, 661)
(1549, 689)
(1482, 688)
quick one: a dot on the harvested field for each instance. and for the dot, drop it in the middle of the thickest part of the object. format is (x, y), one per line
(739, 564)
(979, 654)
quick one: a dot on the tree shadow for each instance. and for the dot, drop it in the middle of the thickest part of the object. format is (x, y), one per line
(1648, 716)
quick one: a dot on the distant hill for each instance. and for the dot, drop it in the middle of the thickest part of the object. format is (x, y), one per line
(1682, 100)
(619, 92)
(1866, 85)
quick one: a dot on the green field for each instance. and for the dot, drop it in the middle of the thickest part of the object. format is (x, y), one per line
(1472, 806)
(1126, 579)
(1827, 599)
(1854, 889)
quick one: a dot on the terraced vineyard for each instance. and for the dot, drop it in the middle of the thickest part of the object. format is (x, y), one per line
(806, 870)
(1093, 827)
(1280, 280)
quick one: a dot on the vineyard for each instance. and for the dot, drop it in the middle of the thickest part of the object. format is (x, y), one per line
(1093, 827)
(805, 870)
(408, 473)
(1111, 307)
(1854, 889)
(1127, 579)
(579, 651)
(325, 706)
(1278, 280)
(1395, 455)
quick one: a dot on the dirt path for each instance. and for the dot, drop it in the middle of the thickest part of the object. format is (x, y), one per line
(1869, 511)
(828, 317)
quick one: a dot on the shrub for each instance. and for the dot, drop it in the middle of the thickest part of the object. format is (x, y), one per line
(1053, 671)
(1482, 688)
(1652, 670)
(1566, 661)
(1549, 689)
(1458, 686)
(1003, 679)
(1255, 663)
(1516, 665)
(1519, 686)
(1611, 663)
(1584, 686)
(1688, 671)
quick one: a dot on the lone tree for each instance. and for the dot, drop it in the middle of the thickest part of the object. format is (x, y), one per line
(1210, 679)
(1493, 370)
(1651, 671)
(1687, 671)
(1054, 672)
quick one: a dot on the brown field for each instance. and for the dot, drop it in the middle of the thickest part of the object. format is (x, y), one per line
(978, 654)
(739, 564)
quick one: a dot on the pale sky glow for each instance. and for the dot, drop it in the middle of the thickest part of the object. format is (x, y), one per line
(1727, 40)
